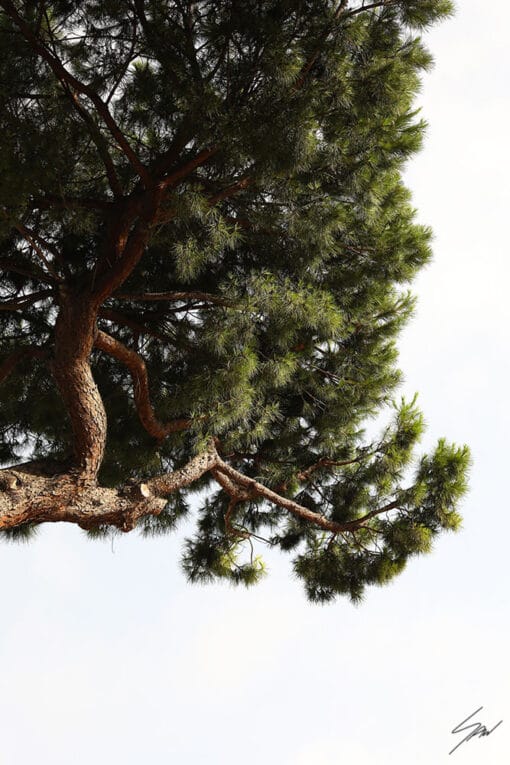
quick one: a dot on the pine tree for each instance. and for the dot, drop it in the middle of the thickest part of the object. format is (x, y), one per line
(205, 252)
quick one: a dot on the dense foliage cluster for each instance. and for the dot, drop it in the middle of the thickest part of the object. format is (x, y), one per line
(273, 283)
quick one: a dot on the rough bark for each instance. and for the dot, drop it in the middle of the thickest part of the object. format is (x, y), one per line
(32, 494)
(75, 333)
(45, 492)
(42, 492)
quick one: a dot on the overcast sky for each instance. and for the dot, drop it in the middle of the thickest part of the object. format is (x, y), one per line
(109, 656)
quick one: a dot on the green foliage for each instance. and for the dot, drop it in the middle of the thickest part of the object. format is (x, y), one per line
(309, 264)
(22, 534)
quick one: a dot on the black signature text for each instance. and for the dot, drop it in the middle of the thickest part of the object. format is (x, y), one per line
(477, 729)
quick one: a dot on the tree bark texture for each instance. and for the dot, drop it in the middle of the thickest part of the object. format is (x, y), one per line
(75, 334)
(44, 492)
(40, 492)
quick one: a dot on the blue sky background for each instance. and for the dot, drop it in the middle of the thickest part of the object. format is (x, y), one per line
(108, 655)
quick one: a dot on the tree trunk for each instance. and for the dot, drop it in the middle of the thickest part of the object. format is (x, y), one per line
(75, 333)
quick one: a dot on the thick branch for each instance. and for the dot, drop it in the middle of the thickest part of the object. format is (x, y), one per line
(164, 485)
(128, 257)
(34, 493)
(138, 372)
(38, 493)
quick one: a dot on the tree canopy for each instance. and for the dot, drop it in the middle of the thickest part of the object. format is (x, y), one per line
(205, 253)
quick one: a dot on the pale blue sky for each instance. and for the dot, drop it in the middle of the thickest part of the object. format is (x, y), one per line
(112, 657)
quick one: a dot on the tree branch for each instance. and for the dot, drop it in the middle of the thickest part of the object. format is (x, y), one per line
(187, 168)
(164, 485)
(172, 297)
(140, 378)
(303, 475)
(100, 142)
(40, 492)
(67, 79)
(234, 188)
(130, 250)
(298, 510)
(125, 321)
(23, 300)
(371, 7)
(305, 69)
(7, 265)
(26, 234)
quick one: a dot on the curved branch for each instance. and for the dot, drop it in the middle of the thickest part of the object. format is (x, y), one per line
(233, 489)
(242, 488)
(296, 509)
(288, 504)
(138, 372)
(129, 248)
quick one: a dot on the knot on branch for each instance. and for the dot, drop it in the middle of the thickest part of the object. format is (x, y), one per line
(136, 491)
(234, 490)
(9, 481)
(237, 494)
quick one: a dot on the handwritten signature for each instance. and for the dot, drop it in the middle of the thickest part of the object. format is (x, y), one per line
(478, 729)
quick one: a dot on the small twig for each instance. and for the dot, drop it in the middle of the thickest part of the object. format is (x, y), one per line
(24, 300)
(30, 239)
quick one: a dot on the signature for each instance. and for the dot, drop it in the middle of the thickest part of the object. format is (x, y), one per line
(478, 729)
